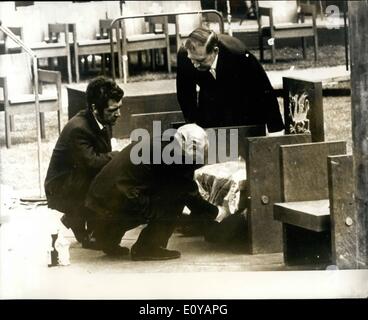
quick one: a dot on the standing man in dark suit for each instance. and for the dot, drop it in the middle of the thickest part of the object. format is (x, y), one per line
(81, 151)
(128, 193)
(234, 89)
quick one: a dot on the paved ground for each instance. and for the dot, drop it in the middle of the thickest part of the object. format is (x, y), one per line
(204, 271)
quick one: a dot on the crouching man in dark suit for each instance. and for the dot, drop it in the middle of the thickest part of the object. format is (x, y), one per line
(143, 184)
(81, 151)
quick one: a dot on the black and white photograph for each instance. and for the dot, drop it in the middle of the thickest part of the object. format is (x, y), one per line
(167, 150)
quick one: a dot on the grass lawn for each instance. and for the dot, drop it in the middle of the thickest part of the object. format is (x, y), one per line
(19, 166)
(328, 56)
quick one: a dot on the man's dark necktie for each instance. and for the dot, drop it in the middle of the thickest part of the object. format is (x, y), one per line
(106, 133)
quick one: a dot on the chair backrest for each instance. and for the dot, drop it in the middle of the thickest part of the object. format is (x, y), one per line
(133, 26)
(10, 45)
(104, 25)
(17, 68)
(304, 170)
(56, 30)
(283, 11)
(308, 10)
(157, 24)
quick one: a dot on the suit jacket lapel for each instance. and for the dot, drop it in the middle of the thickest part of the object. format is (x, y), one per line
(221, 63)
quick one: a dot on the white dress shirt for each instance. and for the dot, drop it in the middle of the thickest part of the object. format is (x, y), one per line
(213, 67)
(98, 122)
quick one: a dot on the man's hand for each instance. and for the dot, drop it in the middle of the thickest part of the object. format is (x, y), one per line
(114, 144)
(223, 212)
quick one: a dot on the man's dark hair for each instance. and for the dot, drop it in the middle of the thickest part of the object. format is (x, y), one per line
(202, 37)
(100, 90)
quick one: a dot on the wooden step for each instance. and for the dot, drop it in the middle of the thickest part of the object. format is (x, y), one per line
(312, 215)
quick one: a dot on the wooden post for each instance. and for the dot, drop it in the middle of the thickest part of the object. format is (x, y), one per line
(342, 211)
(263, 190)
(358, 32)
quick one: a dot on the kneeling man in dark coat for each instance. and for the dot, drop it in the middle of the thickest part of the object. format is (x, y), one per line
(149, 182)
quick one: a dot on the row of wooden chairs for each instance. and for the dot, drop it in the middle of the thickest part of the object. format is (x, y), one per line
(17, 93)
(58, 44)
(63, 41)
(316, 184)
(16, 87)
(271, 30)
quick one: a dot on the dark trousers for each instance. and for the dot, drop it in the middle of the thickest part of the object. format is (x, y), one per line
(81, 220)
(160, 218)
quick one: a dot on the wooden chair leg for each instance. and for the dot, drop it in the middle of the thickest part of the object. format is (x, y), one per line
(50, 63)
(59, 120)
(86, 63)
(157, 55)
(69, 67)
(42, 125)
(77, 69)
(125, 70)
(7, 130)
(261, 53)
(11, 122)
(121, 64)
(140, 59)
(162, 57)
(93, 63)
(113, 64)
(103, 64)
(273, 53)
(304, 47)
(62, 65)
(149, 57)
(153, 60)
(315, 48)
(108, 62)
(144, 58)
(168, 58)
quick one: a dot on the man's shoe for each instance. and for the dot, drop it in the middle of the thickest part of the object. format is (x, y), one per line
(65, 222)
(91, 243)
(79, 232)
(190, 230)
(116, 251)
(150, 254)
(80, 235)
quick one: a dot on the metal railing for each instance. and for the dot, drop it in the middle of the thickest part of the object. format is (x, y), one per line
(116, 25)
(19, 42)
